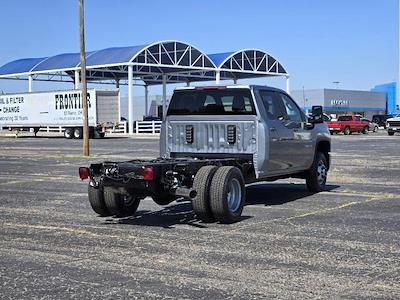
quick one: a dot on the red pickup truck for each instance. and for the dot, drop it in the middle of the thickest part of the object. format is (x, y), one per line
(348, 124)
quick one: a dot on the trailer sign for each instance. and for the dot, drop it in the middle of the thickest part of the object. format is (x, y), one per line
(51, 108)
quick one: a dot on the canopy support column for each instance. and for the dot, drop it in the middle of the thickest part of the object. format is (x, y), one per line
(30, 83)
(76, 79)
(130, 99)
(217, 77)
(287, 85)
(188, 83)
(146, 100)
(234, 81)
(117, 83)
(164, 94)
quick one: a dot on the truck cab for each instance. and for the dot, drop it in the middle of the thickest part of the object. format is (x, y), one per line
(259, 123)
(393, 124)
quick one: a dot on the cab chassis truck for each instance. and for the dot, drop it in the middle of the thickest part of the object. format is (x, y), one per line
(214, 141)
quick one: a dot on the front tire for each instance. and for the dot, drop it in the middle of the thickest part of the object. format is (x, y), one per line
(347, 131)
(365, 130)
(316, 176)
(227, 194)
(390, 133)
(202, 184)
(96, 200)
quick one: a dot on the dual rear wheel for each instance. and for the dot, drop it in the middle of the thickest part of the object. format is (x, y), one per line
(220, 195)
(106, 202)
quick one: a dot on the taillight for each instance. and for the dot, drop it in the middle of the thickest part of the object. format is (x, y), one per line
(83, 173)
(148, 173)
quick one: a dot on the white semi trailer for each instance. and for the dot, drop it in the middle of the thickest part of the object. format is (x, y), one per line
(60, 109)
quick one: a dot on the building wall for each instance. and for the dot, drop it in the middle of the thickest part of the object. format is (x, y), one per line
(391, 95)
(337, 101)
(308, 98)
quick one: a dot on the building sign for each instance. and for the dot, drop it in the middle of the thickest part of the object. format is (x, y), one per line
(340, 103)
(51, 108)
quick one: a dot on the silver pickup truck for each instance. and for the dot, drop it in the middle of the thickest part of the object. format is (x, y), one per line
(214, 141)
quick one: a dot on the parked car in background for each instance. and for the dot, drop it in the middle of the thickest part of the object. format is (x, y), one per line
(393, 124)
(372, 125)
(348, 124)
(381, 119)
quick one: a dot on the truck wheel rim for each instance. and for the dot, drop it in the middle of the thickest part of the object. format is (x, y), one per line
(234, 196)
(322, 172)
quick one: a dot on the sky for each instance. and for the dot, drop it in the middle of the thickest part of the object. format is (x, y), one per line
(354, 42)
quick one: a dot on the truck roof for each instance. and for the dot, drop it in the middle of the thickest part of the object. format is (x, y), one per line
(233, 86)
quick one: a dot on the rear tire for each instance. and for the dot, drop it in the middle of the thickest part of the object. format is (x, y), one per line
(227, 194)
(316, 176)
(96, 200)
(120, 205)
(68, 133)
(78, 133)
(201, 184)
(376, 128)
(347, 131)
(390, 133)
(365, 130)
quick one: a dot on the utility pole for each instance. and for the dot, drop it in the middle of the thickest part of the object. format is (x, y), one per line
(83, 81)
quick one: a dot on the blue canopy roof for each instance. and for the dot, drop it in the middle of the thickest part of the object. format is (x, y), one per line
(116, 55)
(165, 57)
(218, 58)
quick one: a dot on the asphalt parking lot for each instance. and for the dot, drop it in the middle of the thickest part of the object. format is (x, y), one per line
(342, 243)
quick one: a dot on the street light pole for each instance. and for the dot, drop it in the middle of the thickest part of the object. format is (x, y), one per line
(83, 81)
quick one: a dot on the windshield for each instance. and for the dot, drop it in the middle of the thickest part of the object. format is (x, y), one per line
(345, 118)
(212, 102)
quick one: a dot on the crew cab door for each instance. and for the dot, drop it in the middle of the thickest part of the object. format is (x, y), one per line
(359, 123)
(302, 151)
(285, 156)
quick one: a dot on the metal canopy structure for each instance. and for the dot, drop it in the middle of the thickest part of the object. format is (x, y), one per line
(157, 63)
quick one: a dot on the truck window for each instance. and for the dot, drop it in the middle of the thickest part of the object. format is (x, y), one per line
(270, 104)
(212, 102)
(345, 118)
(291, 110)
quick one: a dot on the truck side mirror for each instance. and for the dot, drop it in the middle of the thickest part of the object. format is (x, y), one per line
(317, 114)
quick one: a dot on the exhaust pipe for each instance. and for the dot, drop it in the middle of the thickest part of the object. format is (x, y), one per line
(185, 192)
